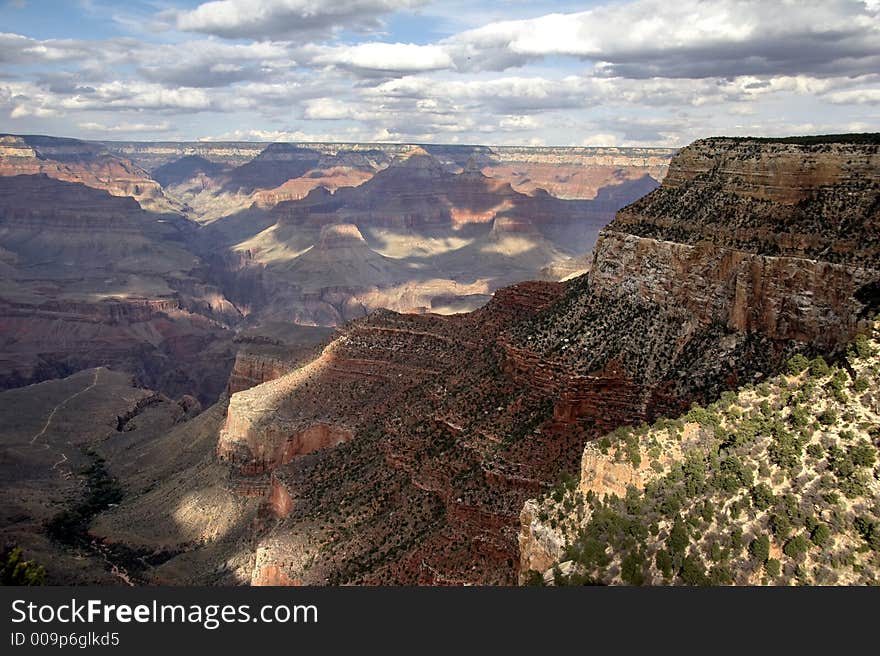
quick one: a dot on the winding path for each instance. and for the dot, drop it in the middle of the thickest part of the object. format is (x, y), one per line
(62, 404)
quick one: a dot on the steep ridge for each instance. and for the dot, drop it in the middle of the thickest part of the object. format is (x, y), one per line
(93, 165)
(400, 454)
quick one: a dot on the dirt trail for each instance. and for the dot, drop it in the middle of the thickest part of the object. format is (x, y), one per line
(62, 404)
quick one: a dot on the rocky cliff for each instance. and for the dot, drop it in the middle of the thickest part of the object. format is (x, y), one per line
(93, 165)
(92, 279)
(749, 252)
(400, 454)
(718, 283)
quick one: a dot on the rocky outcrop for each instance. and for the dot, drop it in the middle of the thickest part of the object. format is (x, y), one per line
(718, 275)
(368, 418)
(72, 160)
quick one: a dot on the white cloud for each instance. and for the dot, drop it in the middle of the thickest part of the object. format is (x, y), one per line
(601, 139)
(139, 95)
(126, 127)
(212, 63)
(367, 58)
(518, 122)
(688, 38)
(855, 97)
(327, 109)
(262, 19)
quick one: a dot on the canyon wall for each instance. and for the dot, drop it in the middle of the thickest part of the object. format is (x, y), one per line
(91, 279)
(747, 253)
(73, 160)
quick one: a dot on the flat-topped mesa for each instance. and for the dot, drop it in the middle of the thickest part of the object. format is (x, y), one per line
(255, 439)
(32, 200)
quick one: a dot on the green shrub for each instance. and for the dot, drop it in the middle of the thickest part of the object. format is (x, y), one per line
(862, 347)
(773, 568)
(631, 568)
(762, 496)
(827, 417)
(818, 366)
(693, 572)
(796, 547)
(863, 454)
(797, 363)
(820, 535)
(720, 575)
(869, 530)
(15, 570)
(534, 577)
(664, 562)
(780, 525)
(759, 548)
(632, 450)
(677, 541)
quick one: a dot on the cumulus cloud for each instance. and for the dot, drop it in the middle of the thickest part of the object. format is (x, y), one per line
(267, 19)
(385, 58)
(688, 38)
(511, 93)
(327, 109)
(139, 95)
(632, 72)
(20, 49)
(211, 63)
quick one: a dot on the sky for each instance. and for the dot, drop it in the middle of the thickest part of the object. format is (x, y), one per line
(590, 73)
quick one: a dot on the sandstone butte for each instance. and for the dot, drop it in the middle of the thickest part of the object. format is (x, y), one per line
(405, 450)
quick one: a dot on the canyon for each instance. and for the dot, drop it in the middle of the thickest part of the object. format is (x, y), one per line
(398, 439)
(157, 258)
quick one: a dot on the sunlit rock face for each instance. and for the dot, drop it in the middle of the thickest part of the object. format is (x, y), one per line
(72, 160)
(436, 237)
(655, 325)
(744, 254)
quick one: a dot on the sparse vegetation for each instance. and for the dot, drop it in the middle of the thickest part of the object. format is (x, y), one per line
(774, 484)
(15, 570)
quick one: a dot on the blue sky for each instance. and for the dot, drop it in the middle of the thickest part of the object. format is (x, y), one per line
(637, 73)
